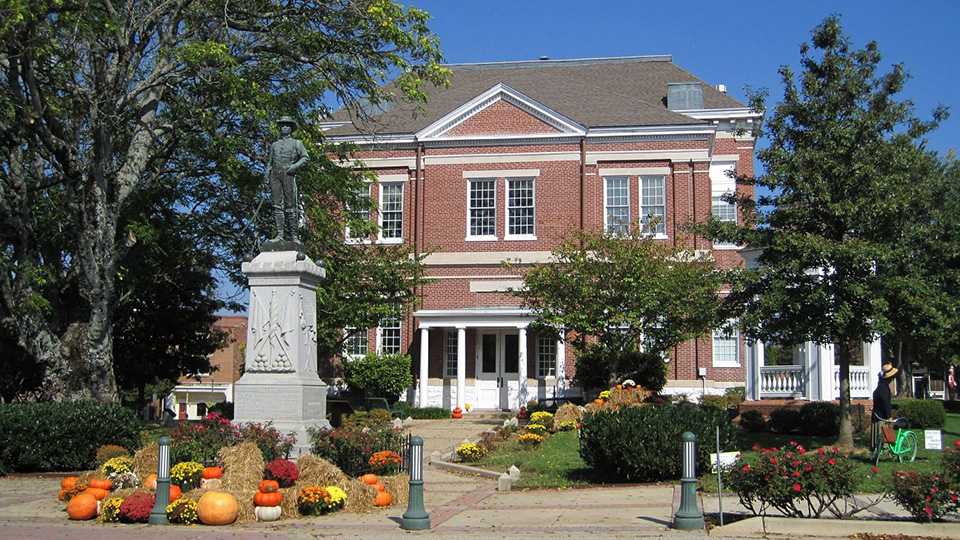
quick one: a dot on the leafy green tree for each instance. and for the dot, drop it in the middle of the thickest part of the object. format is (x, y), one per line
(100, 101)
(842, 162)
(379, 375)
(623, 301)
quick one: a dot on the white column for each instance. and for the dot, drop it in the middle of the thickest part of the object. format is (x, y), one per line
(561, 369)
(827, 378)
(522, 368)
(461, 367)
(753, 371)
(873, 359)
(424, 365)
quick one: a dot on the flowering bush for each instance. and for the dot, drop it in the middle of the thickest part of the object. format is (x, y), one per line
(284, 471)
(314, 500)
(110, 510)
(926, 496)
(543, 418)
(136, 508)
(350, 449)
(385, 462)
(469, 452)
(951, 463)
(529, 439)
(567, 425)
(269, 440)
(202, 441)
(186, 475)
(605, 394)
(117, 465)
(535, 428)
(183, 511)
(791, 479)
(124, 480)
(338, 498)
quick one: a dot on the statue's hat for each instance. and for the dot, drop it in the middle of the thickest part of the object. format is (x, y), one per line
(287, 120)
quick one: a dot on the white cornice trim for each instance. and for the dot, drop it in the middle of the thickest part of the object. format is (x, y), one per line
(500, 92)
(721, 114)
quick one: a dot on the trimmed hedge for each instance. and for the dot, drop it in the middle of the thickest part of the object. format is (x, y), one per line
(922, 413)
(426, 413)
(820, 418)
(62, 436)
(641, 444)
(753, 421)
(783, 420)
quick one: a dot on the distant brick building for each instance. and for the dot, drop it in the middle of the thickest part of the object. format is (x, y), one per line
(194, 394)
(511, 159)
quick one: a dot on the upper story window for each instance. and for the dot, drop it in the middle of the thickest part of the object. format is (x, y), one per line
(653, 204)
(356, 342)
(546, 357)
(726, 345)
(482, 218)
(391, 211)
(361, 213)
(616, 203)
(388, 336)
(723, 184)
(450, 354)
(520, 207)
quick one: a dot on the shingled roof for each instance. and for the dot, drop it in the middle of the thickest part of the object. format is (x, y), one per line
(598, 92)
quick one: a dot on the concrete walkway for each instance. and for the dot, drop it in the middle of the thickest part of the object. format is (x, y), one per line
(463, 506)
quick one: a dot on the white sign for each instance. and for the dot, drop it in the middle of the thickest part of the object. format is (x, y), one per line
(726, 459)
(932, 439)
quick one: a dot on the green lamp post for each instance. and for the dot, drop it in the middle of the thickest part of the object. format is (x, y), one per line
(416, 518)
(158, 516)
(688, 516)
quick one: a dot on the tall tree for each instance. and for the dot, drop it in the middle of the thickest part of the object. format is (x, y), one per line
(101, 100)
(843, 157)
(623, 301)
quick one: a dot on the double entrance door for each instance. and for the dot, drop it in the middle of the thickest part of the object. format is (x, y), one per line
(498, 362)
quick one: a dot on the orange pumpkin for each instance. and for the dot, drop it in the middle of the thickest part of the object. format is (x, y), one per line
(68, 482)
(267, 499)
(369, 478)
(62, 494)
(598, 401)
(151, 482)
(98, 493)
(383, 499)
(211, 472)
(101, 483)
(268, 486)
(82, 506)
(619, 387)
(217, 508)
(175, 492)
(379, 486)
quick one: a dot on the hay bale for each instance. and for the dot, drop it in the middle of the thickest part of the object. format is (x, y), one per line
(288, 508)
(568, 412)
(360, 497)
(398, 487)
(242, 468)
(316, 471)
(145, 461)
(627, 397)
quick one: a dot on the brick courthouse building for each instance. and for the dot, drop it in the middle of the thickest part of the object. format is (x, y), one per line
(510, 160)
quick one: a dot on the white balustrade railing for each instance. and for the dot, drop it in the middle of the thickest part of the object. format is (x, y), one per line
(860, 383)
(782, 381)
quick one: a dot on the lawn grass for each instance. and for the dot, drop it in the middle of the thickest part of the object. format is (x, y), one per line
(557, 463)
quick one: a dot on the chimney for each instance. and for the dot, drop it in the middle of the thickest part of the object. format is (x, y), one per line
(722, 88)
(683, 96)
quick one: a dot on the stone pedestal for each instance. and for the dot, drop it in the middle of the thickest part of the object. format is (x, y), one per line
(280, 382)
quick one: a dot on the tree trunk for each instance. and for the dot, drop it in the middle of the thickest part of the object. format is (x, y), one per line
(845, 438)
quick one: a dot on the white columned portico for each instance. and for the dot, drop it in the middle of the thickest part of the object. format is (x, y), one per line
(561, 369)
(461, 367)
(522, 368)
(424, 365)
(825, 363)
(758, 359)
(873, 359)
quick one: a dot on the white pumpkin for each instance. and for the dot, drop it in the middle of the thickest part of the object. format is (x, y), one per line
(211, 483)
(267, 513)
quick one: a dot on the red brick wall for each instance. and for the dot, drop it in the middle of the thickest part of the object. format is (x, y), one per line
(499, 118)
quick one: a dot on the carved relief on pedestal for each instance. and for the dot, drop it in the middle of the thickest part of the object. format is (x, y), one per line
(269, 327)
(308, 329)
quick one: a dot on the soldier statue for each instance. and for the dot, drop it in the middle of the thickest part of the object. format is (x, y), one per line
(287, 156)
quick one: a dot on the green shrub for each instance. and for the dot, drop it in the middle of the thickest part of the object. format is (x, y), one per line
(350, 448)
(784, 420)
(62, 436)
(922, 413)
(379, 375)
(926, 496)
(820, 418)
(426, 413)
(642, 444)
(753, 421)
(731, 399)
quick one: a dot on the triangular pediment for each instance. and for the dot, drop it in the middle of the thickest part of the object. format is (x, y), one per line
(500, 111)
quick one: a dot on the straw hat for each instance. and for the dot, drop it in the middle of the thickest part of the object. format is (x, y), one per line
(888, 371)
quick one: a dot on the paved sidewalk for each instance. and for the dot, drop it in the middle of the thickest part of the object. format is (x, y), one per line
(462, 506)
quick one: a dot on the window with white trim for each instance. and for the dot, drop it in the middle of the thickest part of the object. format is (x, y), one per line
(520, 207)
(546, 357)
(616, 204)
(726, 345)
(388, 336)
(362, 213)
(391, 211)
(356, 342)
(450, 354)
(653, 204)
(482, 218)
(723, 184)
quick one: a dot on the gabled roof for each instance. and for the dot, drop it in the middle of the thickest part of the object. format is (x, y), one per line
(587, 93)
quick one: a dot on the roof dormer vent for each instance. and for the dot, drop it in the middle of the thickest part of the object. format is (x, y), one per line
(684, 96)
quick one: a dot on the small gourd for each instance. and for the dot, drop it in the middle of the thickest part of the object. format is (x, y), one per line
(211, 483)
(68, 482)
(267, 513)
(211, 472)
(151, 482)
(274, 498)
(379, 486)
(369, 478)
(175, 492)
(268, 486)
(101, 483)
(98, 493)
(383, 499)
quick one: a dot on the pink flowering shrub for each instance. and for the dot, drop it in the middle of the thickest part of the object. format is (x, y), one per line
(284, 471)
(797, 482)
(202, 441)
(136, 508)
(951, 463)
(926, 496)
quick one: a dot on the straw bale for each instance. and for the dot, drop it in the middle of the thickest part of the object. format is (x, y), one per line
(627, 396)
(242, 468)
(398, 487)
(145, 461)
(316, 471)
(568, 412)
(288, 507)
(360, 497)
